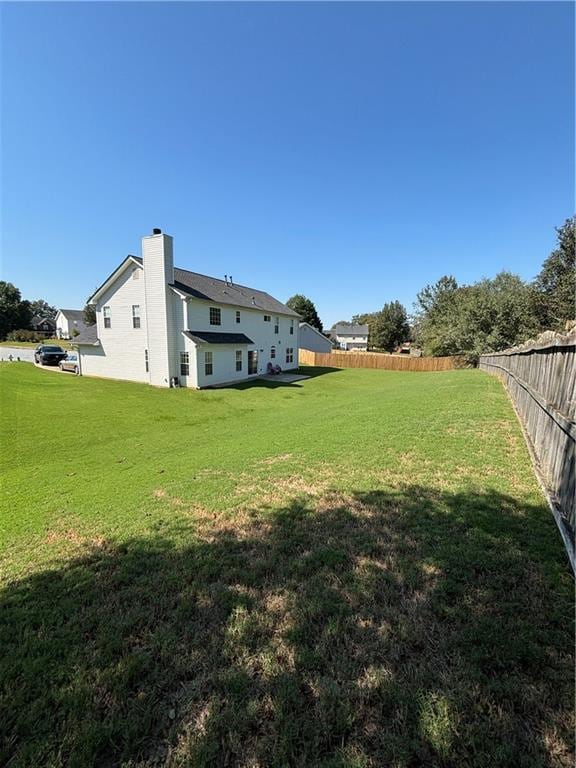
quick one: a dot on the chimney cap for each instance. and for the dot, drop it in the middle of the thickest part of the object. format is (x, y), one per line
(156, 231)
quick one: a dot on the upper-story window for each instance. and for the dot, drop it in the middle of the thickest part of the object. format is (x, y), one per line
(237, 315)
(267, 318)
(291, 327)
(215, 316)
(107, 317)
(135, 315)
(276, 325)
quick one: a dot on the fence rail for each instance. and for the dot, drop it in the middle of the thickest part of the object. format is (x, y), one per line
(541, 380)
(375, 360)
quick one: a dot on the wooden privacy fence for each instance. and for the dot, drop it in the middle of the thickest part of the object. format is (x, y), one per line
(375, 360)
(541, 379)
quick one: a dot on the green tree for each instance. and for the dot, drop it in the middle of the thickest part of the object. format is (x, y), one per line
(14, 313)
(41, 308)
(90, 314)
(556, 283)
(306, 309)
(468, 320)
(390, 327)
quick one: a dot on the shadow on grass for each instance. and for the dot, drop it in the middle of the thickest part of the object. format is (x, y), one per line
(401, 628)
(310, 372)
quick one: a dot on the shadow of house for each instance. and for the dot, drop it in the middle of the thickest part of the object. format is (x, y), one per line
(404, 628)
(311, 372)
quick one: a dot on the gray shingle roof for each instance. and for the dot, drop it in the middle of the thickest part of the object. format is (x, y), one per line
(212, 289)
(350, 330)
(74, 316)
(88, 336)
(215, 337)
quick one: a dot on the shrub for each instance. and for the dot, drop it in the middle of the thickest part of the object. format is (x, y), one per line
(24, 335)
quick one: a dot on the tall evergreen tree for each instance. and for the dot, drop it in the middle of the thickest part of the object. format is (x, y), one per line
(306, 309)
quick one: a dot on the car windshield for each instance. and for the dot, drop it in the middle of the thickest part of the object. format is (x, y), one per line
(71, 357)
(52, 349)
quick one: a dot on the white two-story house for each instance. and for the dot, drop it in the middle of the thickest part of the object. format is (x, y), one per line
(167, 326)
(350, 337)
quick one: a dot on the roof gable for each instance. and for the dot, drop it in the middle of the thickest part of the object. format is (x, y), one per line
(114, 276)
(316, 331)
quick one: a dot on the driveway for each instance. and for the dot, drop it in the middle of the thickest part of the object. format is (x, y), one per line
(25, 354)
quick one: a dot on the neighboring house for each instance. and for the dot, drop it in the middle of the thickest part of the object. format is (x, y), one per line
(163, 325)
(68, 321)
(44, 326)
(310, 338)
(350, 336)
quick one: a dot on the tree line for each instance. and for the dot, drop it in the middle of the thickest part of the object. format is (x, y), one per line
(469, 320)
(16, 313)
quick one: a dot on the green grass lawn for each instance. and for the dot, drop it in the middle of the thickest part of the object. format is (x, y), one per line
(354, 570)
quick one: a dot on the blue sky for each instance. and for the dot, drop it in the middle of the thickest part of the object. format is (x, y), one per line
(350, 151)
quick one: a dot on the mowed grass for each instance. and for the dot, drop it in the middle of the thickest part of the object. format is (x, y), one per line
(355, 570)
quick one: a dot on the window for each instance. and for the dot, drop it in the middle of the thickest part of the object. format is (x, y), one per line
(107, 317)
(136, 274)
(135, 316)
(267, 318)
(237, 315)
(146, 360)
(289, 354)
(276, 325)
(238, 359)
(184, 364)
(215, 316)
(291, 327)
(208, 367)
(272, 353)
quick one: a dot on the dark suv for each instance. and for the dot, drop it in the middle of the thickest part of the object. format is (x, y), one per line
(47, 354)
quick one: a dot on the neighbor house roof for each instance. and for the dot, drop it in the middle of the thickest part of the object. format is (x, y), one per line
(350, 330)
(215, 337)
(316, 331)
(211, 289)
(73, 315)
(88, 336)
(48, 321)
